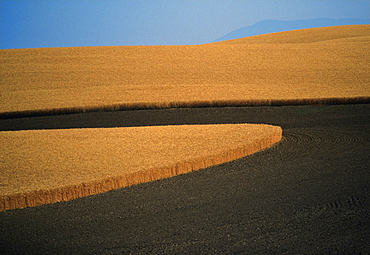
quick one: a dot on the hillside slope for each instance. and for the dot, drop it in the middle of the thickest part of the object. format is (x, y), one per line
(311, 35)
(302, 65)
(274, 26)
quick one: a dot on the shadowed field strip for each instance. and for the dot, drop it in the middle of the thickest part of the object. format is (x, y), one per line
(308, 193)
(320, 65)
(46, 166)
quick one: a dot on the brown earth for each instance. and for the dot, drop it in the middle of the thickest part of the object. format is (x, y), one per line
(309, 193)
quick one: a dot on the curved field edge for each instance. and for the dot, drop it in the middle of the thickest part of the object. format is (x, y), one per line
(48, 166)
(191, 104)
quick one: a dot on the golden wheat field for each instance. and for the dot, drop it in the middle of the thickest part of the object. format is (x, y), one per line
(46, 166)
(308, 64)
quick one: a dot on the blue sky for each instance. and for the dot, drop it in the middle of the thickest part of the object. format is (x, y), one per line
(41, 23)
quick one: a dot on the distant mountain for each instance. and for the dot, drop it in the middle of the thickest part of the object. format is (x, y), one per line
(272, 26)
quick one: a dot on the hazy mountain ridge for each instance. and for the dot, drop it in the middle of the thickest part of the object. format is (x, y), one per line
(272, 26)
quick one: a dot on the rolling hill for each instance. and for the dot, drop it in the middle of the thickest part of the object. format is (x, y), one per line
(297, 65)
(274, 26)
(301, 66)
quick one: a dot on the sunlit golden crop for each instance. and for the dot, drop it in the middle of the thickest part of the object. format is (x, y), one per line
(307, 64)
(321, 65)
(46, 166)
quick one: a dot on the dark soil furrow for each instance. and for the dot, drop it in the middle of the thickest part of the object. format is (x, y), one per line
(309, 194)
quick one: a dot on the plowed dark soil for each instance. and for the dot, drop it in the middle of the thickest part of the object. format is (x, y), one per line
(309, 194)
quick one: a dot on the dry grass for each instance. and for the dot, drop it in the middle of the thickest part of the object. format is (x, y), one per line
(46, 166)
(311, 65)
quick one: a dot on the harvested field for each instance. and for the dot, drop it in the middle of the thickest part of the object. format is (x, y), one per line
(319, 65)
(310, 192)
(46, 166)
